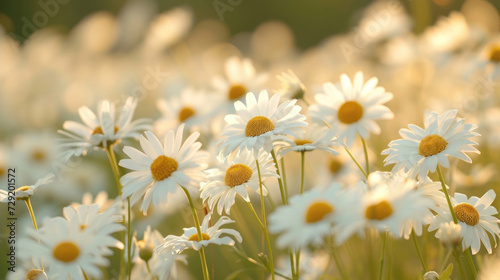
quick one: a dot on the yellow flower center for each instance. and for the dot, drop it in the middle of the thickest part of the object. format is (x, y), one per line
(236, 92)
(258, 125)
(466, 213)
(317, 211)
(495, 53)
(195, 237)
(379, 211)
(185, 114)
(350, 112)
(335, 165)
(301, 142)
(66, 251)
(237, 174)
(162, 167)
(82, 227)
(431, 145)
(36, 274)
(98, 130)
(38, 155)
(2, 170)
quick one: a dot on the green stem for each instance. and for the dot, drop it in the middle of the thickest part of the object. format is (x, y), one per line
(444, 262)
(357, 163)
(116, 172)
(365, 150)
(335, 258)
(292, 265)
(470, 262)
(297, 263)
(282, 160)
(280, 182)
(255, 214)
(459, 262)
(33, 219)
(264, 223)
(302, 167)
(414, 237)
(147, 267)
(382, 256)
(200, 236)
(443, 187)
(85, 275)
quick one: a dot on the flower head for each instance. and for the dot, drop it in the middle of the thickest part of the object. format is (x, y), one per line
(421, 150)
(352, 108)
(25, 192)
(235, 177)
(255, 124)
(161, 169)
(101, 130)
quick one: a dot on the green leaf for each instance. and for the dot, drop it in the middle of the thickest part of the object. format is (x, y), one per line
(447, 273)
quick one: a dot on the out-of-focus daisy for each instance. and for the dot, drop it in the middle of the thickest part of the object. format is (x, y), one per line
(35, 152)
(162, 168)
(291, 86)
(101, 225)
(234, 177)
(255, 124)
(478, 175)
(148, 264)
(312, 213)
(102, 130)
(101, 199)
(450, 234)
(241, 78)
(189, 240)
(389, 203)
(25, 192)
(423, 149)
(449, 34)
(190, 107)
(66, 250)
(313, 138)
(352, 108)
(475, 216)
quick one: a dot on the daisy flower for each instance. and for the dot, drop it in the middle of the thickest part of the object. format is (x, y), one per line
(390, 202)
(102, 130)
(66, 249)
(421, 150)
(26, 192)
(234, 177)
(255, 124)
(352, 108)
(313, 138)
(159, 267)
(189, 240)
(101, 199)
(190, 107)
(241, 78)
(312, 213)
(101, 225)
(475, 216)
(160, 169)
(35, 152)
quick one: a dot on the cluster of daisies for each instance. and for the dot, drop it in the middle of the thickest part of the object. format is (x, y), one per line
(248, 163)
(220, 142)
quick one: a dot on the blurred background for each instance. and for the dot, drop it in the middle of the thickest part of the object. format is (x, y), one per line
(310, 21)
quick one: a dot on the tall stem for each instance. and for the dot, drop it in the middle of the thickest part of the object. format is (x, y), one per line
(357, 163)
(365, 150)
(443, 187)
(284, 175)
(264, 223)
(470, 263)
(280, 182)
(382, 256)
(200, 236)
(116, 172)
(33, 219)
(302, 167)
(414, 237)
